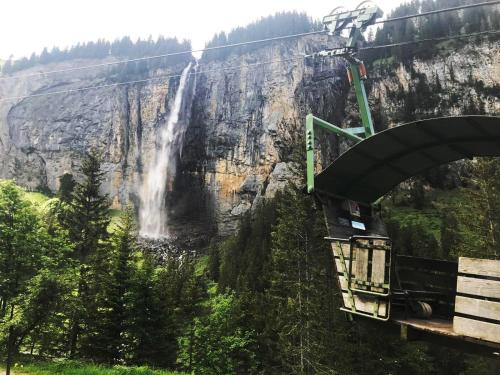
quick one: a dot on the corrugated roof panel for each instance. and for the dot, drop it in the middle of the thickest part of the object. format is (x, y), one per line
(375, 165)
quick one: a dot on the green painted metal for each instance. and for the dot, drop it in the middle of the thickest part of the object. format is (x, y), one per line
(335, 129)
(364, 108)
(310, 152)
(335, 22)
(357, 130)
(312, 121)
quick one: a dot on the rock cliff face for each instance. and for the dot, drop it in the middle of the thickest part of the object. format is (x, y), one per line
(242, 125)
(456, 81)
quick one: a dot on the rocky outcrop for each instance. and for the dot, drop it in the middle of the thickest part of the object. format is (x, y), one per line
(464, 80)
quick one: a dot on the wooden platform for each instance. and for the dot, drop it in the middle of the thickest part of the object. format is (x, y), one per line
(438, 326)
(439, 329)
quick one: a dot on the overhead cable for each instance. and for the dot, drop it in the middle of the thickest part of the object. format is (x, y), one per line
(150, 79)
(111, 63)
(232, 45)
(437, 39)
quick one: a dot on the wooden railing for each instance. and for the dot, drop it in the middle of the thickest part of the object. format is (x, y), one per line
(477, 304)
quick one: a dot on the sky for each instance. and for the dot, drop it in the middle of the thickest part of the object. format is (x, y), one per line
(28, 26)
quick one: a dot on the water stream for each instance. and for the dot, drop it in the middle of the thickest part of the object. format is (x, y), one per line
(152, 210)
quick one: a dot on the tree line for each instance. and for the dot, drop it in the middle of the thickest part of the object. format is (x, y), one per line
(444, 24)
(123, 48)
(280, 24)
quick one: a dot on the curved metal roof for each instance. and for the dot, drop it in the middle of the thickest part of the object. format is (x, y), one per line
(375, 165)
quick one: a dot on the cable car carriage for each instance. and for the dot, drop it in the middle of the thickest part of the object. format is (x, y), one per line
(429, 297)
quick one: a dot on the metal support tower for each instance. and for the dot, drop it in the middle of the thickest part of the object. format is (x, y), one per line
(357, 21)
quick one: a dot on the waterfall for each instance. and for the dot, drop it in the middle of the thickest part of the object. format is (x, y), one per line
(152, 210)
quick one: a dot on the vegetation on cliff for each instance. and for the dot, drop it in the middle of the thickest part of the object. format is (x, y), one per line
(284, 23)
(468, 21)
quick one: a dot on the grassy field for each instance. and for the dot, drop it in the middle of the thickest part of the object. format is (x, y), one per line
(42, 202)
(36, 197)
(77, 368)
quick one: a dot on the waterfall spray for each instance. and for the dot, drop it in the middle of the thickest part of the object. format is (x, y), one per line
(152, 211)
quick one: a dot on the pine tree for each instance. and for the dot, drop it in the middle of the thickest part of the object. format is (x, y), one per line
(299, 286)
(450, 237)
(88, 220)
(145, 323)
(219, 345)
(66, 187)
(112, 341)
(482, 213)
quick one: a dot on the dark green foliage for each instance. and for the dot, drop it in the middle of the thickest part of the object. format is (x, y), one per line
(111, 342)
(437, 219)
(31, 283)
(213, 262)
(480, 209)
(218, 344)
(449, 233)
(434, 26)
(89, 209)
(285, 23)
(87, 223)
(66, 187)
(300, 292)
(245, 256)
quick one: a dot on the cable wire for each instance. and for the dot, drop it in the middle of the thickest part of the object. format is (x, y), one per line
(487, 32)
(240, 44)
(296, 58)
(70, 91)
(85, 67)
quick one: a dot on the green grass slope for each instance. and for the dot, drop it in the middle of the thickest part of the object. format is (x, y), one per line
(78, 368)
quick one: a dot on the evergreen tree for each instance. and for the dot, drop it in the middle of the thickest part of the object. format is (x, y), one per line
(220, 346)
(111, 342)
(450, 237)
(66, 187)
(482, 213)
(299, 286)
(87, 224)
(146, 319)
